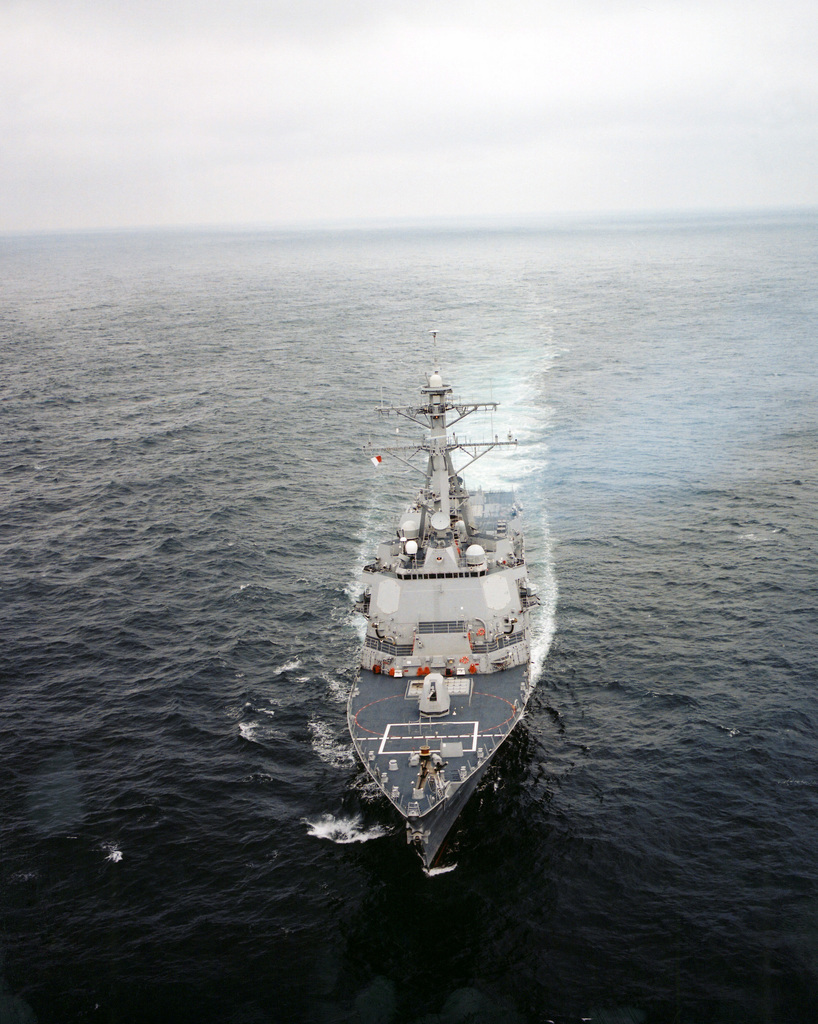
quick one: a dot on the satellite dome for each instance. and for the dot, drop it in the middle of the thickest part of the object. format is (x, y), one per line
(475, 555)
(409, 528)
(435, 380)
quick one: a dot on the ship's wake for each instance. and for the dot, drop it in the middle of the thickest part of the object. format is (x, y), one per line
(327, 745)
(544, 617)
(434, 872)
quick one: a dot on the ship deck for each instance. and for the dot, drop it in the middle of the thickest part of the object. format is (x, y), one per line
(389, 731)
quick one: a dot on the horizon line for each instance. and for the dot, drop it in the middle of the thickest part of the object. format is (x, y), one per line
(441, 222)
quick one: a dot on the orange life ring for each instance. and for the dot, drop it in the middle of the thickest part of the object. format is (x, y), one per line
(464, 659)
(481, 632)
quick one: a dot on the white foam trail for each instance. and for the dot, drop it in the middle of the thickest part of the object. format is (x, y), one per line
(434, 872)
(343, 830)
(377, 519)
(328, 747)
(367, 789)
(338, 690)
(544, 617)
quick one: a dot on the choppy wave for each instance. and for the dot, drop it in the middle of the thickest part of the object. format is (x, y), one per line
(186, 514)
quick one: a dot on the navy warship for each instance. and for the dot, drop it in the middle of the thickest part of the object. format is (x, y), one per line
(445, 669)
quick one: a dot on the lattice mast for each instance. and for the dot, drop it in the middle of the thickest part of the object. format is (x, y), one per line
(442, 479)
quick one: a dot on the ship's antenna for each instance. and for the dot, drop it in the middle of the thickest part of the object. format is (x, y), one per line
(434, 349)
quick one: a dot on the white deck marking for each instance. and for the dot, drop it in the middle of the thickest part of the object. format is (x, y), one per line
(398, 735)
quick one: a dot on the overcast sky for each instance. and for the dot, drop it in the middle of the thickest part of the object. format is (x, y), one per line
(279, 112)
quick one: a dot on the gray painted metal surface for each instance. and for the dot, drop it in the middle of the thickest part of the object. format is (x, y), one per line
(445, 666)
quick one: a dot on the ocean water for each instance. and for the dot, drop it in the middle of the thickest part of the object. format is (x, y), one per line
(184, 833)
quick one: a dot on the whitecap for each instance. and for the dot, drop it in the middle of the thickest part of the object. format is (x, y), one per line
(112, 851)
(23, 876)
(764, 536)
(343, 830)
(248, 731)
(288, 666)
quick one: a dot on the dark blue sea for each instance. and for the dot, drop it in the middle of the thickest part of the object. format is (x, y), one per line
(185, 835)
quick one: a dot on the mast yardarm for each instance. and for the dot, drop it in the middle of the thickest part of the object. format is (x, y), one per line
(433, 414)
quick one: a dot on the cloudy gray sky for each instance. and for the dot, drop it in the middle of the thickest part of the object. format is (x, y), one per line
(172, 112)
